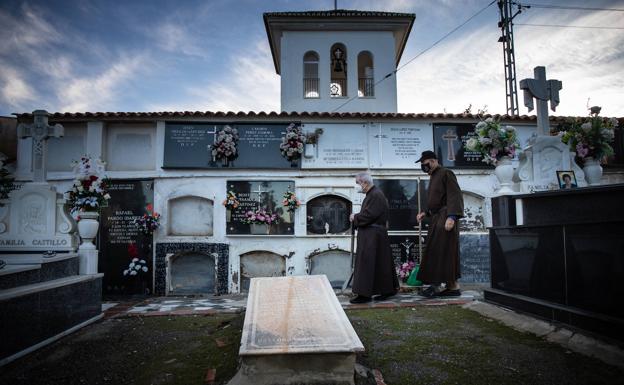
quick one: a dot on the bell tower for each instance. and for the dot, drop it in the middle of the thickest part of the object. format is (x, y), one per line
(335, 60)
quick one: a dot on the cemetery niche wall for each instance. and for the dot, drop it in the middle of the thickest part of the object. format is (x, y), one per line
(120, 241)
(328, 214)
(188, 145)
(258, 200)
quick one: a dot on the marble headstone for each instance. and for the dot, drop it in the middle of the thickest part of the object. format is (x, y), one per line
(35, 219)
(295, 332)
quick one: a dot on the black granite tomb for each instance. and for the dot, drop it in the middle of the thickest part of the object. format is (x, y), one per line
(120, 241)
(566, 262)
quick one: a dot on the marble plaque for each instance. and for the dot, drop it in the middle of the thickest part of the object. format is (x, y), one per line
(402, 195)
(340, 146)
(188, 146)
(398, 145)
(253, 195)
(405, 248)
(129, 199)
(449, 140)
(299, 314)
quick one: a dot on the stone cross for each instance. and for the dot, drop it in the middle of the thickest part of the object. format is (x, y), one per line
(40, 131)
(450, 136)
(543, 91)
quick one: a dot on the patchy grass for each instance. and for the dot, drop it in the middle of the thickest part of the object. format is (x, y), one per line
(150, 350)
(452, 345)
(420, 345)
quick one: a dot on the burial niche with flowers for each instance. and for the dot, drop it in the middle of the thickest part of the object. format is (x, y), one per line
(260, 207)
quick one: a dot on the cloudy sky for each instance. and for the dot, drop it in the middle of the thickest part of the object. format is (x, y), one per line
(213, 55)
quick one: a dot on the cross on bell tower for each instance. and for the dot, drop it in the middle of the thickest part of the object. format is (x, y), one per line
(40, 131)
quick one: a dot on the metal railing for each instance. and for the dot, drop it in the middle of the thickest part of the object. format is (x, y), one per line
(366, 87)
(311, 88)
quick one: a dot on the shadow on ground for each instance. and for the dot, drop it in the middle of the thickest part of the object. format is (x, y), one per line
(420, 345)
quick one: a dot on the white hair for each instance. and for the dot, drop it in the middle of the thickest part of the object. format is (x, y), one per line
(364, 177)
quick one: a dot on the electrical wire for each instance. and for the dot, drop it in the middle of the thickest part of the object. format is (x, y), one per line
(550, 6)
(421, 52)
(566, 26)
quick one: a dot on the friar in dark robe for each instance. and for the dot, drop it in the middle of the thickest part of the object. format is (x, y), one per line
(445, 205)
(374, 272)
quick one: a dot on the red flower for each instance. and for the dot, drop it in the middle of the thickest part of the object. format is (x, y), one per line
(133, 250)
(150, 208)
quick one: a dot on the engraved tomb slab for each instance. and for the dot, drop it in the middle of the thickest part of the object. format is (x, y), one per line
(299, 314)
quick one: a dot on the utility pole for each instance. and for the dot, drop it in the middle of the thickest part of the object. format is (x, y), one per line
(509, 56)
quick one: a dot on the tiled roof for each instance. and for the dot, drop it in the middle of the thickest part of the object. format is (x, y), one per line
(121, 116)
(338, 13)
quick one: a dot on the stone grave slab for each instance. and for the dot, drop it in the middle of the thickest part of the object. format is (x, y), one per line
(296, 332)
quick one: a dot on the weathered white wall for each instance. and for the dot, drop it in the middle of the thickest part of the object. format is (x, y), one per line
(295, 44)
(210, 185)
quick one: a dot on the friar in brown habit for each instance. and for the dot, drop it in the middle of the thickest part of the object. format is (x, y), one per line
(374, 271)
(445, 205)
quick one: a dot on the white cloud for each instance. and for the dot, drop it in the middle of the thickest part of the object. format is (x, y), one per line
(29, 29)
(14, 90)
(173, 37)
(250, 85)
(99, 93)
(468, 69)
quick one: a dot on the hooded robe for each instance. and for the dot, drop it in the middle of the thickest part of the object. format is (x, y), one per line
(374, 271)
(440, 261)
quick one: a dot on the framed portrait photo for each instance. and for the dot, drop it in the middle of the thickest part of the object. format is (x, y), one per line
(567, 179)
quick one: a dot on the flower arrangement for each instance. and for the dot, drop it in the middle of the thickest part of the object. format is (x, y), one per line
(493, 141)
(6, 181)
(290, 201)
(225, 144)
(590, 138)
(405, 269)
(149, 222)
(260, 216)
(313, 137)
(136, 265)
(88, 193)
(292, 143)
(231, 200)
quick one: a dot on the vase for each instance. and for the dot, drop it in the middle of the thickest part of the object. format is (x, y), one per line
(87, 228)
(504, 172)
(228, 215)
(309, 150)
(593, 171)
(259, 229)
(294, 163)
(225, 162)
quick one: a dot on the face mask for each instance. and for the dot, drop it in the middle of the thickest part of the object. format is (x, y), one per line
(425, 167)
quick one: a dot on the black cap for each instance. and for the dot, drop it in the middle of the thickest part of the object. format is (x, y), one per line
(426, 155)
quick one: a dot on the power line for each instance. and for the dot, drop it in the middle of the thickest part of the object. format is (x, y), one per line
(420, 53)
(566, 26)
(550, 6)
